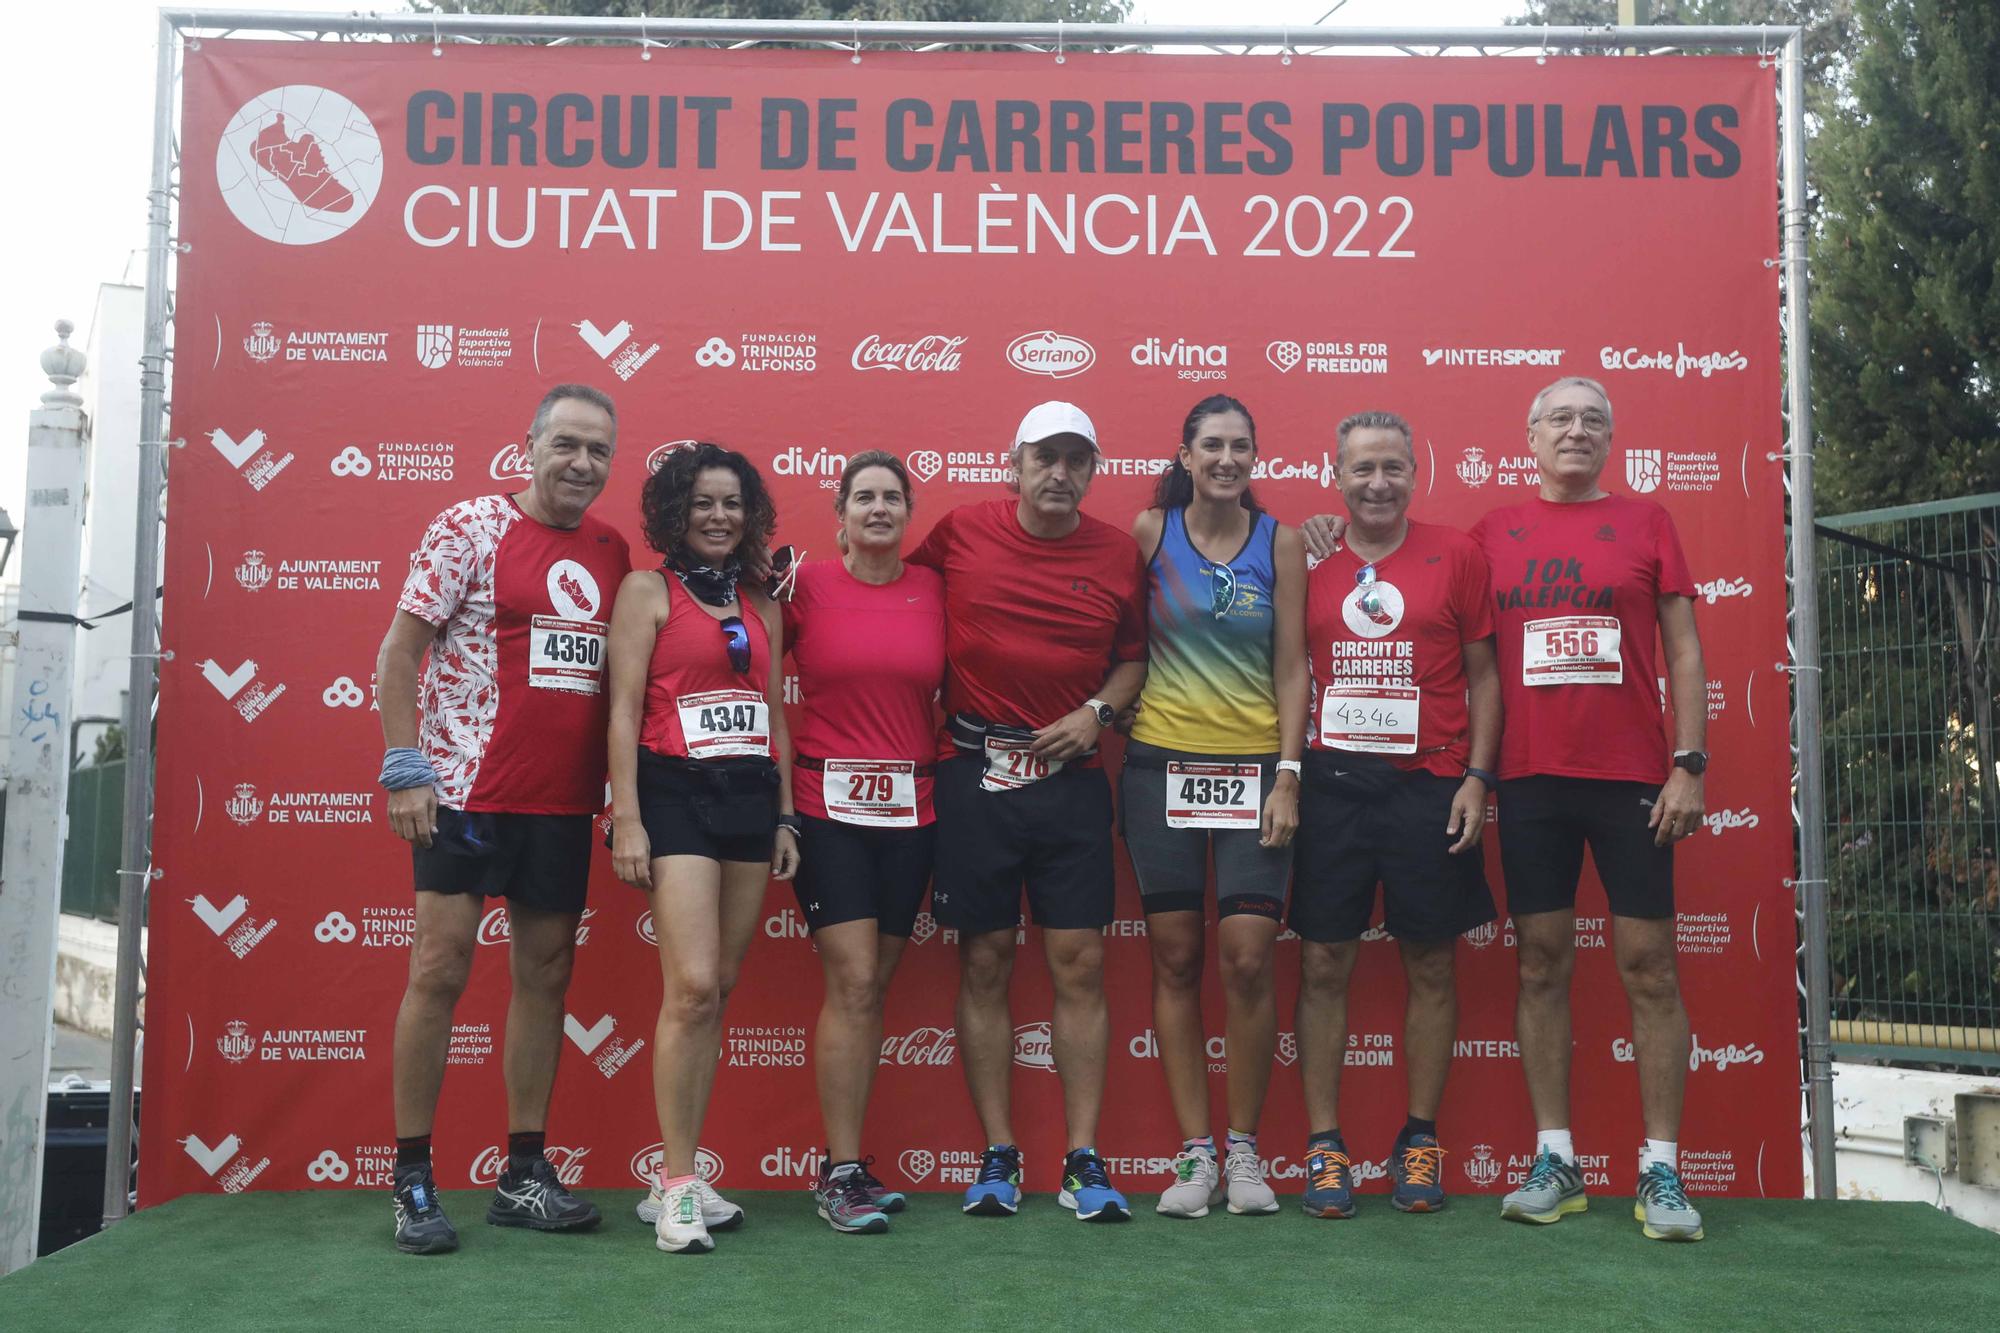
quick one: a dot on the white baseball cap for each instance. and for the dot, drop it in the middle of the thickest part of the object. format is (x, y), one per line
(1047, 420)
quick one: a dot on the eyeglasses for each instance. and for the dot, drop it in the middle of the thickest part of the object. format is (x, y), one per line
(1371, 596)
(1562, 418)
(737, 640)
(1221, 589)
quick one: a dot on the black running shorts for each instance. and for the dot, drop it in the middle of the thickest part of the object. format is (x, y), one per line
(1054, 837)
(1545, 823)
(538, 861)
(852, 872)
(1347, 846)
(1171, 864)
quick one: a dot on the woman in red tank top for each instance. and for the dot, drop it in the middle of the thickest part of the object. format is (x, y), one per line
(701, 792)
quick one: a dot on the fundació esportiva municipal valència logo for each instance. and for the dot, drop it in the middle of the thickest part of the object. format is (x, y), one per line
(299, 165)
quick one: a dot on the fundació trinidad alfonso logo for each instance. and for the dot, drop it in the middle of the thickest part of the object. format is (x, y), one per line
(299, 164)
(1057, 355)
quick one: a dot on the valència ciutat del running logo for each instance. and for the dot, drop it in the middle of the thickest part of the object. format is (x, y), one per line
(299, 165)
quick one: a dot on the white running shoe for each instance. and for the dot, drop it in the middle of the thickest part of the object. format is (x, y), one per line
(717, 1213)
(680, 1229)
(1197, 1185)
(1247, 1191)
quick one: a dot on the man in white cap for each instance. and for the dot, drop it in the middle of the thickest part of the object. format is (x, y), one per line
(1045, 641)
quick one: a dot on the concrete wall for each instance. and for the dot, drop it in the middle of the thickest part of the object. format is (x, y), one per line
(1871, 1104)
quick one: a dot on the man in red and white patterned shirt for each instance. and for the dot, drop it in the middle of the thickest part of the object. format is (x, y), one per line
(504, 611)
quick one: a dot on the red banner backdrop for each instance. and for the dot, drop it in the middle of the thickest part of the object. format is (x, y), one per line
(393, 253)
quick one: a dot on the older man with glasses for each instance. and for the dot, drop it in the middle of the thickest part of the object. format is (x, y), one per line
(1583, 584)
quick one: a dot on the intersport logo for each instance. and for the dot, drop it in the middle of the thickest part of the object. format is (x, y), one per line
(1056, 355)
(931, 352)
(1493, 356)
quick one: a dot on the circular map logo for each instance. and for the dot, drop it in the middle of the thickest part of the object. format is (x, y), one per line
(299, 165)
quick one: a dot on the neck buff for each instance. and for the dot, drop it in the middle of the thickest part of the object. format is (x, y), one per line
(717, 587)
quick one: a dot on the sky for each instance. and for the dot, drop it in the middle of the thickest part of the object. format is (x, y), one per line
(76, 86)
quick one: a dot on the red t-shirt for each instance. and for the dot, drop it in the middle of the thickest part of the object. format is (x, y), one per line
(870, 658)
(1432, 594)
(1032, 626)
(1566, 579)
(698, 705)
(514, 702)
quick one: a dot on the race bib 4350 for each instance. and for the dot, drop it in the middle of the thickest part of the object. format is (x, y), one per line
(566, 654)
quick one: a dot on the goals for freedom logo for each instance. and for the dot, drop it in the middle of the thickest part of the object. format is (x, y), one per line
(299, 164)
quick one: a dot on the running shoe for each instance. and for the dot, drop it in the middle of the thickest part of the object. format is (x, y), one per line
(1414, 1170)
(680, 1229)
(888, 1200)
(1247, 1191)
(1663, 1205)
(997, 1192)
(846, 1205)
(1086, 1189)
(535, 1199)
(717, 1213)
(1197, 1185)
(1329, 1182)
(1552, 1191)
(421, 1226)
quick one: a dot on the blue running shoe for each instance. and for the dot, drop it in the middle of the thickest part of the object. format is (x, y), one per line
(1329, 1182)
(888, 1200)
(997, 1192)
(1087, 1189)
(1414, 1171)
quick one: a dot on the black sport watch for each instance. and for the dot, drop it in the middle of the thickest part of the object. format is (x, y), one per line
(1106, 714)
(1694, 761)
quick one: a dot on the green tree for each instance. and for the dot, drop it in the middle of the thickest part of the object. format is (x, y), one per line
(1829, 24)
(1906, 262)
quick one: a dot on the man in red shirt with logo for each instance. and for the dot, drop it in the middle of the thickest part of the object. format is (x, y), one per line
(1583, 582)
(1405, 726)
(1045, 641)
(508, 596)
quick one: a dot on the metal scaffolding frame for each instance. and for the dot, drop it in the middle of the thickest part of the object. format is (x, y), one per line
(1783, 45)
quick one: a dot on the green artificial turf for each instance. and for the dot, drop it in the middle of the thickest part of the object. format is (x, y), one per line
(324, 1260)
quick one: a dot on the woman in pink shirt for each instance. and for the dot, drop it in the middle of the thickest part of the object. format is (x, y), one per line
(866, 634)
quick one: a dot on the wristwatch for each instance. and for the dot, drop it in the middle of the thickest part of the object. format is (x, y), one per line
(1694, 761)
(1106, 714)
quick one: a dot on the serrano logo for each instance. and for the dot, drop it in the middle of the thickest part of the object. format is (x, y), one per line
(1035, 1047)
(658, 458)
(932, 352)
(573, 590)
(299, 164)
(1057, 355)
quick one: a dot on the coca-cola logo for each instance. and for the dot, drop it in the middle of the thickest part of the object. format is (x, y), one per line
(1035, 1047)
(933, 351)
(493, 927)
(1057, 355)
(923, 1046)
(658, 458)
(510, 464)
(568, 1163)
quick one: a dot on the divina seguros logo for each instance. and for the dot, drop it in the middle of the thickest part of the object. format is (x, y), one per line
(299, 164)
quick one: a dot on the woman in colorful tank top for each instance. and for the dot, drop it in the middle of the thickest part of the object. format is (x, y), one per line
(866, 634)
(1213, 764)
(701, 791)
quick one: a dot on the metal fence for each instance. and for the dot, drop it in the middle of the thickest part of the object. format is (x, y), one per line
(91, 848)
(1910, 611)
